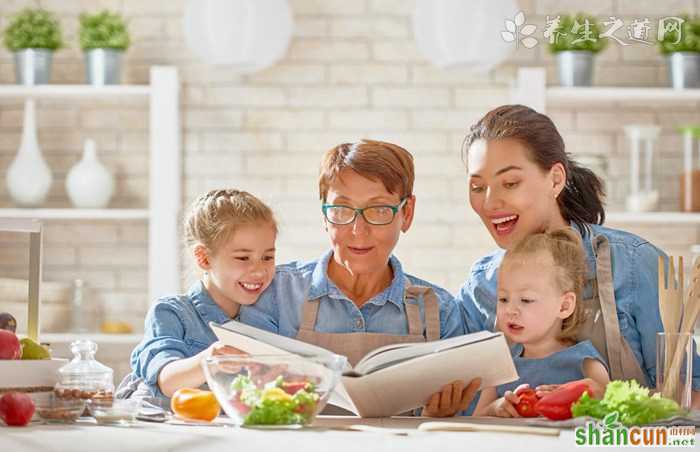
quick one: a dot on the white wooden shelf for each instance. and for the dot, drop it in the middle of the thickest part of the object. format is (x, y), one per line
(161, 97)
(117, 92)
(566, 96)
(98, 338)
(653, 217)
(76, 214)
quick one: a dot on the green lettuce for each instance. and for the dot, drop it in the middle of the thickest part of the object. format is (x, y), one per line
(631, 401)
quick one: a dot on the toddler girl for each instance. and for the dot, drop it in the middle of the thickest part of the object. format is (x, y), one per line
(539, 310)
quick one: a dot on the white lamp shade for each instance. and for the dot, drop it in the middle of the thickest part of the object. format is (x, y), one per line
(249, 35)
(467, 34)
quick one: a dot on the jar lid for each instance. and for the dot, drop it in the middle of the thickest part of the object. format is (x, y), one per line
(83, 362)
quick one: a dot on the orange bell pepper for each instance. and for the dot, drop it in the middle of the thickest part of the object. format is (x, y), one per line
(196, 404)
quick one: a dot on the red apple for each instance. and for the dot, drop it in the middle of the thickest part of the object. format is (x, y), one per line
(16, 408)
(9, 345)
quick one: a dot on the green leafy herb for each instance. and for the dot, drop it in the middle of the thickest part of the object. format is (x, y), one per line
(33, 29)
(628, 401)
(104, 30)
(581, 32)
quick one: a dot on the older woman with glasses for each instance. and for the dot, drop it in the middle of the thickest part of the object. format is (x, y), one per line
(356, 296)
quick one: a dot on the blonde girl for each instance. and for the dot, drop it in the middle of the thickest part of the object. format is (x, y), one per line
(540, 286)
(231, 237)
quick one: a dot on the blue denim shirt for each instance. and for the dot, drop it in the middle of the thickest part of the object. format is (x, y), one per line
(279, 307)
(176, 327)
(635, 281)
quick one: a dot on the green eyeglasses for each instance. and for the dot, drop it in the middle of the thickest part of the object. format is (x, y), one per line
(376, 215)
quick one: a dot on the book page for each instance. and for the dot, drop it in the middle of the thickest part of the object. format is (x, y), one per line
(389, 355)
(408, 385)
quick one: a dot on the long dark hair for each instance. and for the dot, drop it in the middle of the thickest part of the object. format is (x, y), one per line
(581, 201)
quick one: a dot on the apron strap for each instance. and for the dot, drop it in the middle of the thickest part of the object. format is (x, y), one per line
(623, 363)
(309, 313)
(430, 307)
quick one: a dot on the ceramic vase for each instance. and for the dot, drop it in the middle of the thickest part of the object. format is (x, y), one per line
(89, 183)
(29, 177)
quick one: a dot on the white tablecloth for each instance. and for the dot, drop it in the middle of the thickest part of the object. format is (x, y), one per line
(328, 434)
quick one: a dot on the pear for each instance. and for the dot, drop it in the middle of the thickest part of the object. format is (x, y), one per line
(32, 350)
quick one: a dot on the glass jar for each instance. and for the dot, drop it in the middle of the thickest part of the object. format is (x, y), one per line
(84, 377)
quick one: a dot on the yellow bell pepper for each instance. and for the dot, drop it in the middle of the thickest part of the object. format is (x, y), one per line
(276, 395)
(195, 404)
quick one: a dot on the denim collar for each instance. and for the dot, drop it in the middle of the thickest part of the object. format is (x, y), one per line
(205, 305)
(321, 285)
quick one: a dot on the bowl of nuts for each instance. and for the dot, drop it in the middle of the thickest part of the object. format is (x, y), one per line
(54, 410)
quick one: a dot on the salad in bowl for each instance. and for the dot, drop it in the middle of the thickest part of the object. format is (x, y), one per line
(272, 390)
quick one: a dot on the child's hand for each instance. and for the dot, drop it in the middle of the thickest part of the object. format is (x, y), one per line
(451, 399)
(218, 348)
(505, 406)
(597, 388)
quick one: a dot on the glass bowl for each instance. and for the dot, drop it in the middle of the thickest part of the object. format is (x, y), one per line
(272, 390)
(114, 412)
(54, 410)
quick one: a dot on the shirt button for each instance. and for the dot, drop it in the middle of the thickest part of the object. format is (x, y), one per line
(358, 323)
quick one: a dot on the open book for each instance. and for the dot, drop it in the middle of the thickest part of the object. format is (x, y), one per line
(395, 378)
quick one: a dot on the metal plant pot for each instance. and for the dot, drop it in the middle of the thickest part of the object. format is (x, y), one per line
(33, 66)
(103, 66)
(575, 68)
(684, 69)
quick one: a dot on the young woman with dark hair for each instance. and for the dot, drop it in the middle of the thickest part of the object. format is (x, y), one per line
(521, 182)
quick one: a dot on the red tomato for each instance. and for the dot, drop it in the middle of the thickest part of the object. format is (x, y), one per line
(238, 404)
(526, 405)
(293, 387)
(557, 404)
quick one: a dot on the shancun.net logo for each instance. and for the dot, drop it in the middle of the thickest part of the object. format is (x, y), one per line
(611, 433)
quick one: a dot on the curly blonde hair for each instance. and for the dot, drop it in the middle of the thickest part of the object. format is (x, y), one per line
(565, 247)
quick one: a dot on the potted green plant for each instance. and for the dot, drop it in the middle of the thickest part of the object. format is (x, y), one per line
(33, 35)
(683, 53)
(103, 37)
(576, 42)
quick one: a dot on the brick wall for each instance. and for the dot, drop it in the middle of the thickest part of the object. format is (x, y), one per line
(352, 71)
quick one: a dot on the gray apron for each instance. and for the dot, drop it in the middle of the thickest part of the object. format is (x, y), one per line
(602, 327)
(356, 345)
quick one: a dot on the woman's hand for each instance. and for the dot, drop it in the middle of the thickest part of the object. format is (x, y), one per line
(451, 399)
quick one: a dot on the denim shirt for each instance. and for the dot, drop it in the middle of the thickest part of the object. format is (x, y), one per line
(635, 282)
(176, 327)
(279, 307)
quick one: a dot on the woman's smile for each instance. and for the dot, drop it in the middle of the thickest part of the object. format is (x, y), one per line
(360, 250)
(504, 224)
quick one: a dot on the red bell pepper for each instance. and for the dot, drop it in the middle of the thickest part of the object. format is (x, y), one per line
(526, 405)
(557, 404)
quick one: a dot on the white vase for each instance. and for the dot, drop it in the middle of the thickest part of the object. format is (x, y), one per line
(89, 184)
(29, 177)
